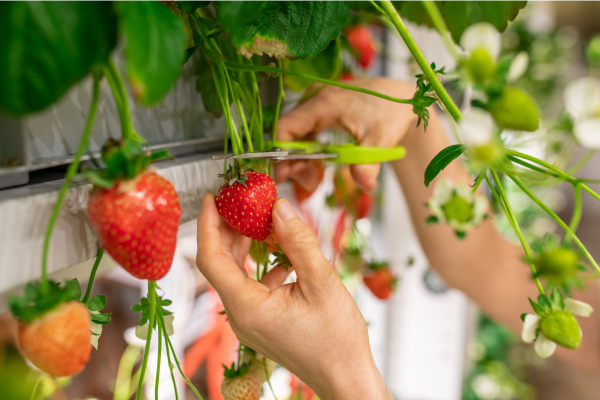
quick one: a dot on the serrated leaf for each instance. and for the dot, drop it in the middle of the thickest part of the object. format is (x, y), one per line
(461, 14)
(441, 161)
(72, 290)
(290, 29)
(96, 303)
(326, 64)
(47, 47)
(155, 47)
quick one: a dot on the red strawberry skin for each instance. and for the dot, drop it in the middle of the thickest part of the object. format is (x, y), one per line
(136, 222)
(361, 40)
(363, 204)
(58, 342)
(380, 282)
(247, 209)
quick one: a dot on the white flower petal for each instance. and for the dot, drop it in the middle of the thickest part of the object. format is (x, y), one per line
(582, 97)
(518, 66)
(476, 127)
(578, 307)
(480, 207)
(587, 132)
(530, 325)
(169, 324)
(443, 191)
(544, 347)
(436, 210)
(482, 34)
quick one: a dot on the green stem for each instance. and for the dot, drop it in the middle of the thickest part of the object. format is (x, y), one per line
(431, 76)
(577, 211)
(280, 94)
(590, 191)
(532, 167)
(549, 166)
(156, 382)
(557, 219)
(161, 327)
(90, 284)
(71, 171)
(272, 70)
(511, 216)
(169, 344)
(268, 377)
(440, 25)
(498, 199)
(480, 177)
(122, 101)
(152, 302)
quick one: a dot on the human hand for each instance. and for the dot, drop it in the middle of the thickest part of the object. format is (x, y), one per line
(372, 121)
(312, 327)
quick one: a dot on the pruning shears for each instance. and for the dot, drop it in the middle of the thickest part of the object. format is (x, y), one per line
(306, 150)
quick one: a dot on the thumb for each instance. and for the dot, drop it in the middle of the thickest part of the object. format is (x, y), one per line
(300, 245)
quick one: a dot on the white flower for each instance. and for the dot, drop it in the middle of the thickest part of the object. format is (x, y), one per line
(582, 101)
(577, 307)
(544, 347)
(476, 127)
(482, 35)
(518, 66)
(454, 204)
(530, 325)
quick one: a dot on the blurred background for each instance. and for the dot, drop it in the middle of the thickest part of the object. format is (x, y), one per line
(429, 341)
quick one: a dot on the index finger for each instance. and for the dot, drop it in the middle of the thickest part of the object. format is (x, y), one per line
(221, 271)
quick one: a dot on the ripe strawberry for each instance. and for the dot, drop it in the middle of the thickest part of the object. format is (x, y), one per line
(363, 203)
(58, 342)
(136, 222)
(245, 201)
(361, 40)
(380, 280)
(240, 384)
(347, 76)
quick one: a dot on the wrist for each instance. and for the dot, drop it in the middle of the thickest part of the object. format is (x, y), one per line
(355, 382)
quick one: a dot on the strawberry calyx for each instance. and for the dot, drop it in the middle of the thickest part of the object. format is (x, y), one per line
(378, 265)
(38, 300)
(143, 307)
(239, 176)
(281, 259)
(233, 372)
(124, 159)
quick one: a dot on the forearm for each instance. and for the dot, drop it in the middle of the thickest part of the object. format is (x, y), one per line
(484, 265)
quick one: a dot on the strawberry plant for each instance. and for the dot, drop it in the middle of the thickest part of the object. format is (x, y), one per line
(49, 47)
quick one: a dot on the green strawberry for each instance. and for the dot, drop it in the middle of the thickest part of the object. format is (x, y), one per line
(562, 328)
(515, 110)
(559, 263)
(480, 65)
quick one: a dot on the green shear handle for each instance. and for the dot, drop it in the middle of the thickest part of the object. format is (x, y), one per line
(347, 153)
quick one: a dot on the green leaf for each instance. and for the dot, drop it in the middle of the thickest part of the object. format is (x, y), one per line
(136, 307)
(72, 290)
(190, 7)
(326, 64)
(155, 48)
(96, 303)
(460, 14)
(47, 47)
(291, 29)
(539, 310)
(432, 220)
(166, 302)
(441, 161)
(99, 318)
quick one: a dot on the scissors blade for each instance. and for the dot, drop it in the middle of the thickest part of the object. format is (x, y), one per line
(273, 155)
(311, 156)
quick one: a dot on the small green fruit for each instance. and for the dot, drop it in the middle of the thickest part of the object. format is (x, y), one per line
(458, 209)
(480, 65)
(562, 328)
(592, 52)
(515, 110)
(559, 263)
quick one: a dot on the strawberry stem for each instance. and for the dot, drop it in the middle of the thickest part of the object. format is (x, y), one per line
(152, 304)
(90, 284)
(157, 380)
(280, 95)
(122, 101)
(168, 344)
(71, 171)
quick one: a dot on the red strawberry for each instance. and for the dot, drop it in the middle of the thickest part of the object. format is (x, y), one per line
(380, 280)
(361, 40)
(245, 201)
(347, 76)
(58, 342)
(136, 222)
(363, 203)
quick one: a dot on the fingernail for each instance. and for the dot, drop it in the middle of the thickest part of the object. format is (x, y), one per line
(285, 210)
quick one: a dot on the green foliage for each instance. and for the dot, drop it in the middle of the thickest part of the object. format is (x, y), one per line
(294, 29)
(47, 47)
(155, 48)
(37, 300)
(143, 307)
(592, 52)
(441, 161)
(327, 65)
(190, 7)
(205, 84)
(459, 15)
(281, 259)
